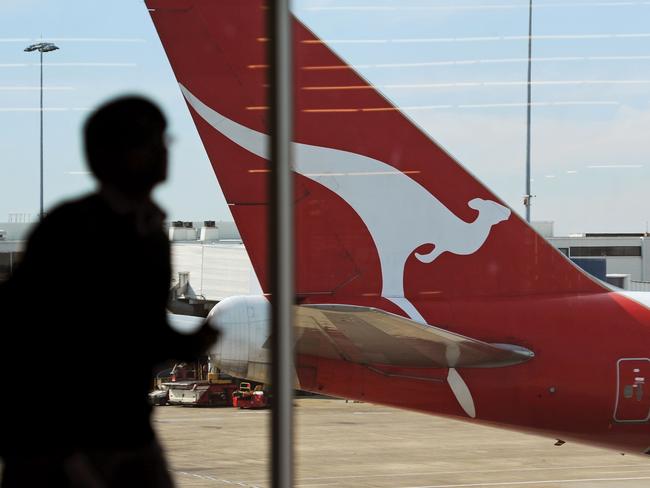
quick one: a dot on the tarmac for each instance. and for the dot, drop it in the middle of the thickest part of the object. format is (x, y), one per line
(345, 444)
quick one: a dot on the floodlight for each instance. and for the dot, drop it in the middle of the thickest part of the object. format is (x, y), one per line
(43, 47)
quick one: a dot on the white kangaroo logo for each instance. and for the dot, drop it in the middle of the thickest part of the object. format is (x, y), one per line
(400, 214)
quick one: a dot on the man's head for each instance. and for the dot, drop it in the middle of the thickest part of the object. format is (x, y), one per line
(125, 146)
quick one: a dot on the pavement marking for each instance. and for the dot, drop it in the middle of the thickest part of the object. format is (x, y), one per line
(372, 413)
(405, 475)
(211, 478)
(542, 482)
(317, 484)
(626, 471)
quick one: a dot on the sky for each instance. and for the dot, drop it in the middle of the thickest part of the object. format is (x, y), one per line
(456, 67)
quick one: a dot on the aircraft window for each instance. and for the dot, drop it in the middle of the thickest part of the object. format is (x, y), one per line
(628, 391)
(639, 393)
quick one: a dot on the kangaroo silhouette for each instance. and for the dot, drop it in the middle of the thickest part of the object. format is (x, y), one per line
(400, 214)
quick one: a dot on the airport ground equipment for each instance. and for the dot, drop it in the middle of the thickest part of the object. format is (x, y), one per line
(201, 393)
(159, 397)
(250, 397)
(194, 384)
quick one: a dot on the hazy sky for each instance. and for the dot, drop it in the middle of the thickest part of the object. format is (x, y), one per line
(457, 66)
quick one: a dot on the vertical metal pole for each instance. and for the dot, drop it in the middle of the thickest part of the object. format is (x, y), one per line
(281, 240)
(529, 196)
(40, 213)
(202, 270)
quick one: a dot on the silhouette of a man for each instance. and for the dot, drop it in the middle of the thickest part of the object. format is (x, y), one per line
(84, 321)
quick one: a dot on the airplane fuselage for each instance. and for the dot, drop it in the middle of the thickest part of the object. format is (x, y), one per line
(586, 382)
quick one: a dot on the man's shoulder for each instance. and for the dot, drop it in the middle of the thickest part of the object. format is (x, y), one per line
(69, 215)
(78, 206)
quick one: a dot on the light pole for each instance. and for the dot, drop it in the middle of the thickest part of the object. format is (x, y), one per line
(528, 196)
(41, 47)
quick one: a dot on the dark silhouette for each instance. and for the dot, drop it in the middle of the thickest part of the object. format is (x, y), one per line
(83, 320)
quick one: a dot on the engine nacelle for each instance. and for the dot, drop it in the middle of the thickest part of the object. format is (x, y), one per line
(243, 349)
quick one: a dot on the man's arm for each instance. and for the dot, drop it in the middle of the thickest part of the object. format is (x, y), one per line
(185, 347)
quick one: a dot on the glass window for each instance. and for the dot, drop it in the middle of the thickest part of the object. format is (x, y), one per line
(598, 251)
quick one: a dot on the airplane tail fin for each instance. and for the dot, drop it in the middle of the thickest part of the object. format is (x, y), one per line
(384, 216)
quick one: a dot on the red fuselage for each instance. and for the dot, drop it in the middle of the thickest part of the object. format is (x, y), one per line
(588, 350)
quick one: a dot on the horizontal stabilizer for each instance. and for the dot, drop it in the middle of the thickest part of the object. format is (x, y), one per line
(370, 336)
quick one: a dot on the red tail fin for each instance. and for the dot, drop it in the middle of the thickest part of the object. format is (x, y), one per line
(381, 209)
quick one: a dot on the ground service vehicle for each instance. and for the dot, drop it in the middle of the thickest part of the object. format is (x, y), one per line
(192, 384)
(247, 397)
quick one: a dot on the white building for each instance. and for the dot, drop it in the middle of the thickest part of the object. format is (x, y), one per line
(13, 236)
(627, 255)
(218, 264)
(216, 270)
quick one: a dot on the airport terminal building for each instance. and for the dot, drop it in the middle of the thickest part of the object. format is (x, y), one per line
(210, 262)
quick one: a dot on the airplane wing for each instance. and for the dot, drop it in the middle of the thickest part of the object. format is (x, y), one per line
(370, 336)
